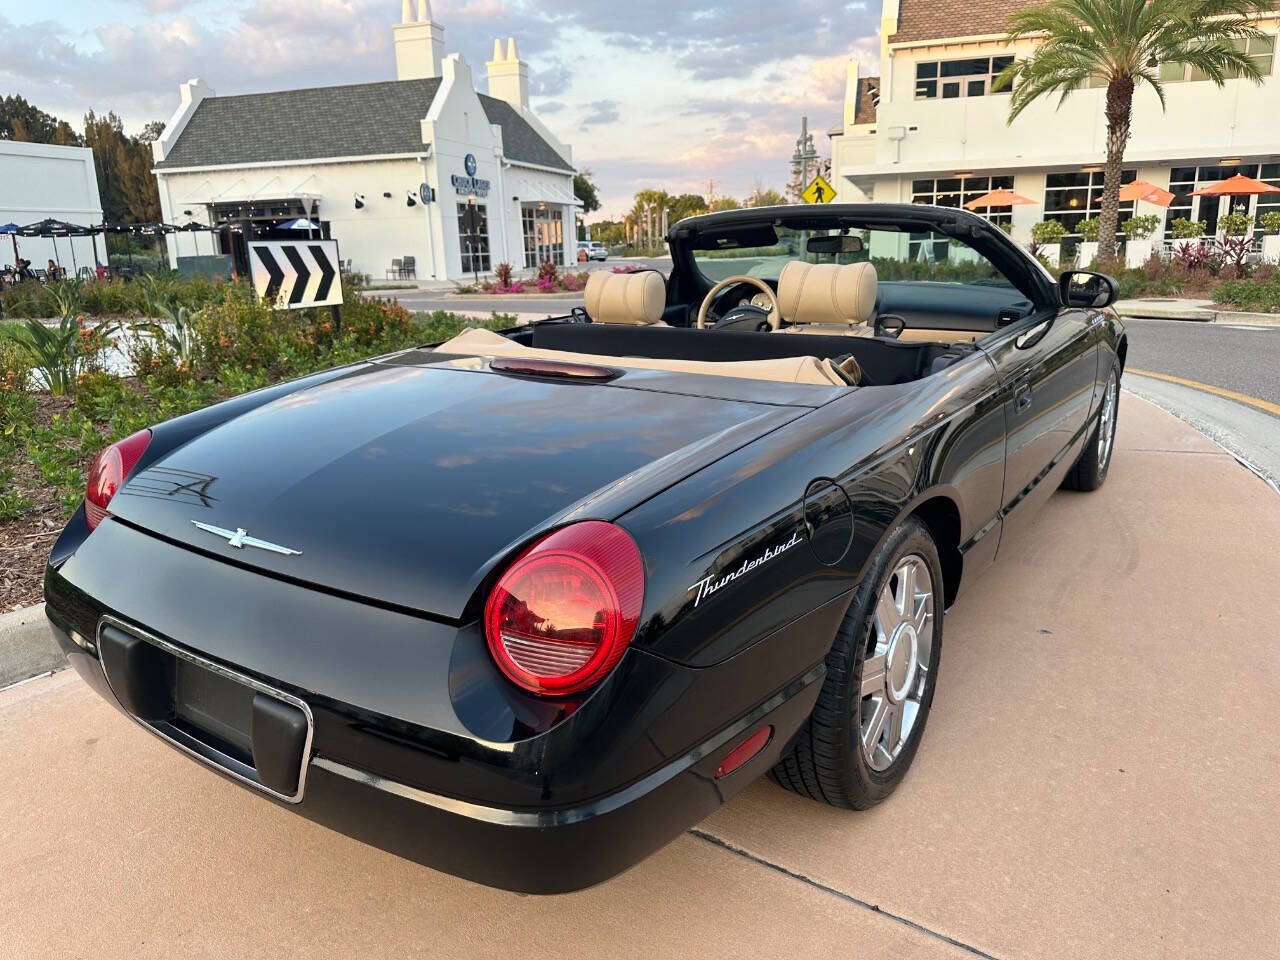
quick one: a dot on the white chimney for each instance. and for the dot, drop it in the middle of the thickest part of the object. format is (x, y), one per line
(509, 75)
(419, 43)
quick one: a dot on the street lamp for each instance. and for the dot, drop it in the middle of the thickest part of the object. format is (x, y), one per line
(806, 153)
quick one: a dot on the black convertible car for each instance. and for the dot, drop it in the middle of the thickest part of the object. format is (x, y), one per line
(526, 606)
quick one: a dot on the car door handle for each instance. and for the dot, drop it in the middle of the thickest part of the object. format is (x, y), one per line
(1022, 396)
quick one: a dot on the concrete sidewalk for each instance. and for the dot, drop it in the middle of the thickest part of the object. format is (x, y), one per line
(1099, 779)
(1195, 311)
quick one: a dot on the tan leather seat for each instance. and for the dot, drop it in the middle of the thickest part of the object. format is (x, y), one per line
(828, 298)
(810, 370)
(632, 298)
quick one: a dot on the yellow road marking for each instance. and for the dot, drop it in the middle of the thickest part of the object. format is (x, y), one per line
(1265, 405)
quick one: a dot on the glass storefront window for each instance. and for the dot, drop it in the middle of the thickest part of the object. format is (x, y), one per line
(543, 230)
(1071, 198)
(957, 191)
(473, 237)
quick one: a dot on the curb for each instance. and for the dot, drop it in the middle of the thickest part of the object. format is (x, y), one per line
(27, 647)
(1210, 313)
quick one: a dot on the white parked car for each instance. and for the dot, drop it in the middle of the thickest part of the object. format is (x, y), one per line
(595, 249)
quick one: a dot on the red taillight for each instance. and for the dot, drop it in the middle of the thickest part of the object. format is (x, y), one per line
(744, 751)
(561, 617)
(107, 472)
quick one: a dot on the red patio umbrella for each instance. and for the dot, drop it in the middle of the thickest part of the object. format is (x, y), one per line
(997, 198)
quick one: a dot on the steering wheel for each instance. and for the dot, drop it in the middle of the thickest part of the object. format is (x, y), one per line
(774, 315)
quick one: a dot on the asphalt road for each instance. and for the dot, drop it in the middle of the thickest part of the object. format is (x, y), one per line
(1241, 359)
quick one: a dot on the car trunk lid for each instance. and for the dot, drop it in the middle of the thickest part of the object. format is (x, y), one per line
(405, 483)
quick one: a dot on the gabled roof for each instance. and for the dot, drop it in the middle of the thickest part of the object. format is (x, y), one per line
(943, 19)
(868, 99)
(357, 120)
(520, 141)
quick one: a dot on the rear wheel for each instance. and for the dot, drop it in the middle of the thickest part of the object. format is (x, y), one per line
(1090, 471)
(881, 672)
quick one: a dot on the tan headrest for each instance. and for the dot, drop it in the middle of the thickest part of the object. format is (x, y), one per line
(635, 298)
(827, 292)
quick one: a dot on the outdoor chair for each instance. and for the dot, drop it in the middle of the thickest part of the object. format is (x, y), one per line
(409, 269)
(397, 268)
(42, 275)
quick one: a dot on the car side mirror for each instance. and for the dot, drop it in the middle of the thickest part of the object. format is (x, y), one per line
(1080, 288)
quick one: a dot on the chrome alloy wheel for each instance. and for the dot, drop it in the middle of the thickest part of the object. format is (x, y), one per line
(895, 671)
(1107, 422)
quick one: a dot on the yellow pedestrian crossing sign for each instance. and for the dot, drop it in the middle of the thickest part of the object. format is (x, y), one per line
(819, 191)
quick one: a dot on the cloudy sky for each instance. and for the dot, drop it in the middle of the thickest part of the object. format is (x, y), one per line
(651, 93)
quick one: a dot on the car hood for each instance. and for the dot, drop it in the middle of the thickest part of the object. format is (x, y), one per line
(406, 485)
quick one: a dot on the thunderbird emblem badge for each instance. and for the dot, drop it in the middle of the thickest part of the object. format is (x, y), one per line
(239, 538)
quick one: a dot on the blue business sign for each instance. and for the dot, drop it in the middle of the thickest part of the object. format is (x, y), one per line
(470, 183)
(424, 192)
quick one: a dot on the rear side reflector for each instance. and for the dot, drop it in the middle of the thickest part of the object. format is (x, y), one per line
(563, 614)
(744, 751)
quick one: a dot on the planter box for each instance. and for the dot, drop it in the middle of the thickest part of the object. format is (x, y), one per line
(1088, 253)
(1271, 248)
(1052, 252)
(1137, 252)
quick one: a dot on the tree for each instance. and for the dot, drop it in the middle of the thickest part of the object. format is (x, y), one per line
(585, 190)
(20, 120)
(724, 203)
(765, 198)
(1122, 44)
(686, 205)
(125, 181)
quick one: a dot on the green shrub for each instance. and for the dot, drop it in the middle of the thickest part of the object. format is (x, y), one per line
(15, 365)
(59, 355)
(1256, 296)
(1270, 221)
(1234, 224)
(1184, 229)
(1090, 229)
(1047, 232)
(1140, 228)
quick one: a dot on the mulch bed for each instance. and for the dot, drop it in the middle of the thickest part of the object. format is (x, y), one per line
(25, 542)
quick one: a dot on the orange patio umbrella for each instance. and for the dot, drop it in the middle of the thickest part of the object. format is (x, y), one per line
(997, 198)
(1237, 186)
(1147, 191)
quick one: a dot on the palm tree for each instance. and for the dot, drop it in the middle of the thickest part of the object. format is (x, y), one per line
(1124, 43)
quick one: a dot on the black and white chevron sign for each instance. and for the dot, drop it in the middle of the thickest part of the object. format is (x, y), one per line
(293, 274)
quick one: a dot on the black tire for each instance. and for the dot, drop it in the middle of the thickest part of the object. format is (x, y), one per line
(1090, 470)
(826, 761)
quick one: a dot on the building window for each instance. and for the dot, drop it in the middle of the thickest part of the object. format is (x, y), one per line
(952, 79)
(1261, 50)
(473, 237)
(957, 191)
(543, 229)
(1184, 180)
(1072, 197)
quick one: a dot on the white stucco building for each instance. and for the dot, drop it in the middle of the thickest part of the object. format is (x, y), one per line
(929, 129)
(39, 181)
(387, 169)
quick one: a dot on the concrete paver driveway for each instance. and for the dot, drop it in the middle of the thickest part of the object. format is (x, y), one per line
(1100, 778)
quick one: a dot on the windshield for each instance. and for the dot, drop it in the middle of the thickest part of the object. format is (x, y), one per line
(926, 256)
